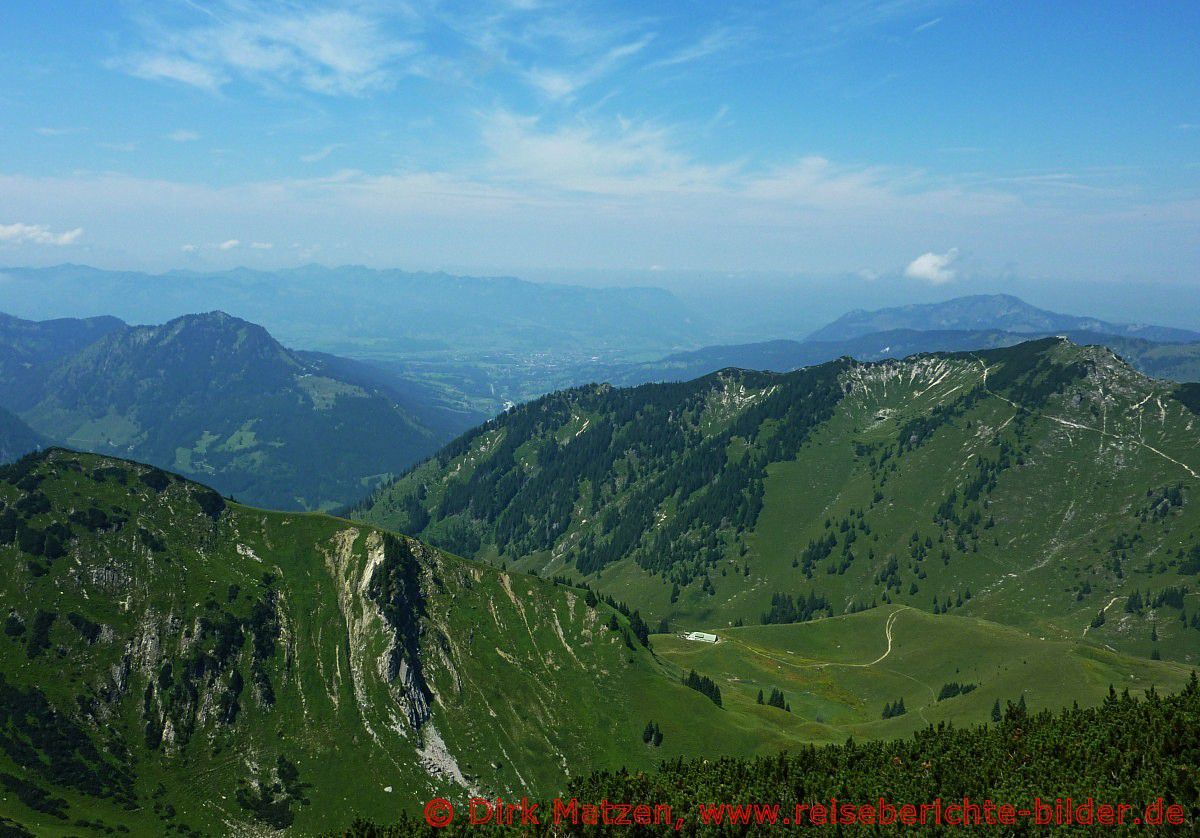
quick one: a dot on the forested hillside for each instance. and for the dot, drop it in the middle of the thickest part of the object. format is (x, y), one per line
(29, 349)
(218, 398)
(1046, 485)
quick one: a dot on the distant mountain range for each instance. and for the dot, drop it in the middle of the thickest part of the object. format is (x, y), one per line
(1000, 312)
(353, 310)
(1173, 361)
(958, 325)
(212, 395)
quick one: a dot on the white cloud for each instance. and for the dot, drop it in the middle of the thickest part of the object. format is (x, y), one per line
(19, 233)
(619, 158)
(182, 135)
(329, 51)
(937, 268)
(261, 245)
(189, 248)
(55, 132)
(229, 244)
(929, 24)
(150, 66)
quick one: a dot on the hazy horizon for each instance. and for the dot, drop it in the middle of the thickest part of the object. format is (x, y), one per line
(759, 305)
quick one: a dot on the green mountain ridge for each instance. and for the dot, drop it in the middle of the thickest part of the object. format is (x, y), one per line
(218, 398)
(1037, 486)
(173, 663)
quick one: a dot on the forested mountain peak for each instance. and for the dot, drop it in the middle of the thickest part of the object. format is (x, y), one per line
(216, 396)
(214, 339)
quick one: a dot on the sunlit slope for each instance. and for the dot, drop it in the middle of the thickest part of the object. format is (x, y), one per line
(1033, 485)
(170, 660)
(1042, 510)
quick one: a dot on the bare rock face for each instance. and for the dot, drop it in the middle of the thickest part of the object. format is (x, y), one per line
(395, 586)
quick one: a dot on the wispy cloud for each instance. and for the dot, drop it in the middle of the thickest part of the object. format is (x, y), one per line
(124, 148)
(320, 154)
(929, 24)
(182, 135)
(717, 41)
(564, 83)
(324, 50)
(172, 68)
(261, 245)
(618, 158)
(556, 50)
(228, 244)
(20, 233)
(50, 131)
(937, 268)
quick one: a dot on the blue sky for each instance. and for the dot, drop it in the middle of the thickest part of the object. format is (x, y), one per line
(933, 140)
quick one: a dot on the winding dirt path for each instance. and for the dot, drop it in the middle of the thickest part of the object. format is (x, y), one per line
(887, 632)
(1102, 610)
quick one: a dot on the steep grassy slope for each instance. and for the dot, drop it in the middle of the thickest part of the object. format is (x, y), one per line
(172, 662)
(1035, 486)
(218, 398)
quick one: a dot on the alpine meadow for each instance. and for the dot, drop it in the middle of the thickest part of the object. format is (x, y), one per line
(582, 419)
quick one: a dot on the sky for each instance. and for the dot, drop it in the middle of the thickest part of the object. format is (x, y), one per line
(930, 141)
